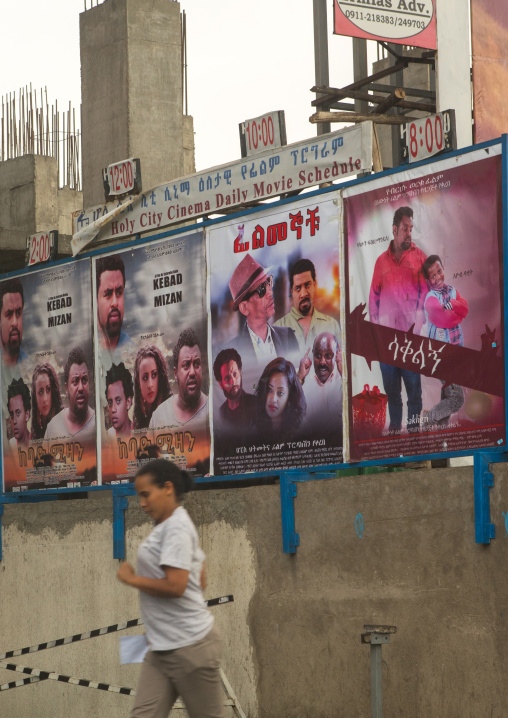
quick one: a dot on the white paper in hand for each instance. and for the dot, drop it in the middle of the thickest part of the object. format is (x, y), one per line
(133, 648)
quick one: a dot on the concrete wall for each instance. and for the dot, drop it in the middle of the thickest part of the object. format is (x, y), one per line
(292, 636)
(417, 77)
(131, 88)
(17, 200)
(30, 202)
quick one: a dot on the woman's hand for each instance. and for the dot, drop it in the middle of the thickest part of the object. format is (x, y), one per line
(126, 573)
(172, 586)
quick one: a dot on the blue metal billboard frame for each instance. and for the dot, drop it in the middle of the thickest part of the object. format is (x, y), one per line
(288, 480)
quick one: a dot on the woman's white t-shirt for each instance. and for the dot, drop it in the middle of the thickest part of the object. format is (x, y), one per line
(174, 622)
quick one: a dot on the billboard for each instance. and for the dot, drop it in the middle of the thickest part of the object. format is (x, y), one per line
(404, 22)
(291, 168)
(47, 378)
(276, 338)
(151, 349)
(425, 309)
(361, 323)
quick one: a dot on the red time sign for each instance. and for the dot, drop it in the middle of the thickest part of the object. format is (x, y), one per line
(41, 247)
(262, 133)
(428, 136)
(122, 178)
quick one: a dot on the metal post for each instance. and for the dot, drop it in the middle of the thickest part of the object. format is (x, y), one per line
(321, 55)
(360, 69)
(398, 82)
(376, 636)
(376, 680)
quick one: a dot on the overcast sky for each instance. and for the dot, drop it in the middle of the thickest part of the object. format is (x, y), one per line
(244, 59)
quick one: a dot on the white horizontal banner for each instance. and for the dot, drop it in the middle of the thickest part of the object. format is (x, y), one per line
(288, 169)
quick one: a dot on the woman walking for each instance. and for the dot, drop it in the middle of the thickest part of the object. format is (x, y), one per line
(185, 647)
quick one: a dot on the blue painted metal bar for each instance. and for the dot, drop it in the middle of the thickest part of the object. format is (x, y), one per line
(483, 480)
(290, 539)
(120, 493)
(119, 507)
(288, 492)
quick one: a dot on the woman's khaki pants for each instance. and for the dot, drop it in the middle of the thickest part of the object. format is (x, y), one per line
(191, 673)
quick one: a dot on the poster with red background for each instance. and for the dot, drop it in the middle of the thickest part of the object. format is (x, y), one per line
(420, 383)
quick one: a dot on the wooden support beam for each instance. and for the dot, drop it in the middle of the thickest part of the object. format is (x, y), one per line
(394, 98)
(360, 117)
(336, 94)
(410, 91)
(378, 75)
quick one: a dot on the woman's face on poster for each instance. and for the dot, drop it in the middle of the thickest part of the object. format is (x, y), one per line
(277, 395)
(148, 380)
(43, 395)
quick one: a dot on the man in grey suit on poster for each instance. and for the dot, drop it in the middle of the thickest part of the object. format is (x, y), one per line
(258, 341)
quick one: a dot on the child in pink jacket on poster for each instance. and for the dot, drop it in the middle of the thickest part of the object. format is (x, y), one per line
(445, 309)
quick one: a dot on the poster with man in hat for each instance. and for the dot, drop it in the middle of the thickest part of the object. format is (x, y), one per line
(263, 372)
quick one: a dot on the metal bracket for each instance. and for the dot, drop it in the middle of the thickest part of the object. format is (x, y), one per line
(483, 481)
(120, 493)
(288, 491)
(290, 539)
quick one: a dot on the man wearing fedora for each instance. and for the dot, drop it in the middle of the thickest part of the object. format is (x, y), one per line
(251, 289)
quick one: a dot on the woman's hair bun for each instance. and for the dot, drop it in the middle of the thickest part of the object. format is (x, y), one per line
(162, 470)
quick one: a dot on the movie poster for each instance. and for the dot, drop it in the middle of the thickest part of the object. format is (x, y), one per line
(276, 338)
(47, 373)
(425, 311)
(151, 347)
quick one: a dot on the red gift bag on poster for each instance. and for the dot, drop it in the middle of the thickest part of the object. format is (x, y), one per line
(369, 413)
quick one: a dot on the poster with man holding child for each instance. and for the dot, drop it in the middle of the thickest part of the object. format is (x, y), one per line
(424, 309)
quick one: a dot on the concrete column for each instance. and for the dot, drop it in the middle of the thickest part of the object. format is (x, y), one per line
(131, 85)
(454, 67)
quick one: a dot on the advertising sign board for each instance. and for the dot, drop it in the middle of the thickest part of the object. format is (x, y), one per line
(294, 167)
(404, 22)
(262, 133)
(353, 324)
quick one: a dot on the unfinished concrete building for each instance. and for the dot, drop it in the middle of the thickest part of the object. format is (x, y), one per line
(133, 88)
